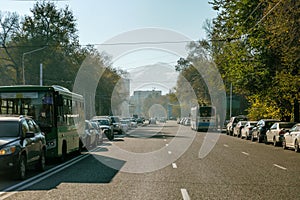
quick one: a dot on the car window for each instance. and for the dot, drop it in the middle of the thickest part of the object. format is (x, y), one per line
(25, 127)
(274, 126)
(32, 127)
(9, 129)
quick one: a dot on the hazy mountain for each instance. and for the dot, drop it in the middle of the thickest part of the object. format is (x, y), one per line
(159, 76)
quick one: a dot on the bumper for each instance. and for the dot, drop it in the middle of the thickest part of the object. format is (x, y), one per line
(8, 163)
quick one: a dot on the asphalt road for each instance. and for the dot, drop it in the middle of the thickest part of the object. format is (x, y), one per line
(152, 163)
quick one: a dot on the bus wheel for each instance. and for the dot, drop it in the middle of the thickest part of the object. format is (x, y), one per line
(64, 152)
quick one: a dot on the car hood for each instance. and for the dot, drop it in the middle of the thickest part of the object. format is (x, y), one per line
(4, 141)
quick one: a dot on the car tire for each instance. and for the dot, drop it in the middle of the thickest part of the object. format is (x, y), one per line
(21, 168)
(258, 138)
(284, 144)
(96, 142)
(42, 162)
(266, 140)
(297, 146)
(275, 143)
(110, 135)
(252, 138)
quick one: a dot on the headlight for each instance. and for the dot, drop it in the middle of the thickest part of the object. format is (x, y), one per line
(8, 150)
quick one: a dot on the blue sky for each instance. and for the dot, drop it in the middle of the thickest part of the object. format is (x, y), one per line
(98, 21)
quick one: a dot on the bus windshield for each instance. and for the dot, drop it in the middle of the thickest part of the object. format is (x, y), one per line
(38, 105)
(206, 111)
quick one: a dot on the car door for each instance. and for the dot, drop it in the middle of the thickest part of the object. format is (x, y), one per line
(270, 133)
(294, 136)
(35, 140)
(289, 136)
(28, 143)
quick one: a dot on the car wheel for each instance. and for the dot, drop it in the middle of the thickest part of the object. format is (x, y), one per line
(283, 143)
(21, 168)
(258, 138)
(275, 143)
(95, 143)
(42, 162)
(110, 135)
(266, 140)
(297, 146)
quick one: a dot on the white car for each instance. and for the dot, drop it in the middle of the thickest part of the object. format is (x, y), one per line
(247, 129)
(276, 133)
(292, 138)
(125, 125)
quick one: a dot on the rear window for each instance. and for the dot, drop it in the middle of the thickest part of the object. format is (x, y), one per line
(9, 129)
(288, 125)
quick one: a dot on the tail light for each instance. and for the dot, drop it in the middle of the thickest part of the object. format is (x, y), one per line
(281, 132)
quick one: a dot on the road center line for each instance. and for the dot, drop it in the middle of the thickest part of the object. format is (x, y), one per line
(185, 194)
(169, 152)
(174, 165)
(245, 153)
(280, 167)
(167, 144)
(225, 145)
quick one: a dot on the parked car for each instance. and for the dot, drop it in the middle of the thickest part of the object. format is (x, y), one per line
(105, 125)
(276, 132)
(238, 127)
(125, 124)
(91, 136)
(187, 122)
(98, 130)
(232, 123)
(291, 139)
(152, 120)
(133, 123)
(22, 144)
(246, 131)
(260, 129)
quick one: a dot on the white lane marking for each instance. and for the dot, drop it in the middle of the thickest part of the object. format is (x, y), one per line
(165, 140)
(167, 144)
(185, 194)
(280, 167)
(35, 179)
(247, 154)
(169, 152)
(225, 145)
(174, 165)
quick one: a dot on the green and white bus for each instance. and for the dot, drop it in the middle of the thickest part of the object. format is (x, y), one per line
(59, 113)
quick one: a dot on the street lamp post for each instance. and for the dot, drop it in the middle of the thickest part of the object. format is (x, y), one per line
(23, 67)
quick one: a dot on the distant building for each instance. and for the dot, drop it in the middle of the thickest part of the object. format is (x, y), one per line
(137, 101)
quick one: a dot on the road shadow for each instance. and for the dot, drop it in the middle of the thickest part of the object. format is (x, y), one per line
(88, 170)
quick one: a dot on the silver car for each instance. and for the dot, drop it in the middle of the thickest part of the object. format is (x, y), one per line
(247, 129)
(276, 132)
(291, 139)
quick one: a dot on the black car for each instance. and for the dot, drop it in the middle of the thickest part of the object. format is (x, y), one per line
(260, 129)
(22, 145)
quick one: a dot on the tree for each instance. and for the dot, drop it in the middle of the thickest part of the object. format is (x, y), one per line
(9, 62)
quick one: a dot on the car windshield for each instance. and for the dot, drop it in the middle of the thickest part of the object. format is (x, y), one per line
(9, 129)
(287, 125)
(103, 122)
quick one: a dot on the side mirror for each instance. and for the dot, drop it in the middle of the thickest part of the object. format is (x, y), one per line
(29, 135)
